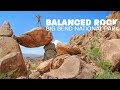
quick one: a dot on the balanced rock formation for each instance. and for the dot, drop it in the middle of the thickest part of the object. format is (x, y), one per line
(36, 37)
(50, 51)
(67, 49)
(110, 51)
(72, 68)
(10, 55)
(5, 29)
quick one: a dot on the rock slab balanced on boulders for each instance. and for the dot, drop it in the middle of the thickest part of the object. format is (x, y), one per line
(36, 37)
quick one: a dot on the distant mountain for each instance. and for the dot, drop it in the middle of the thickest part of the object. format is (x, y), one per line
(32, 56)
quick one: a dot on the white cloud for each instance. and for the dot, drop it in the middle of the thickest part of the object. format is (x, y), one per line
(37, 51)
(56, 42)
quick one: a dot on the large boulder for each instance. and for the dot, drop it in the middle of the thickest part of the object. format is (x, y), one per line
(5, 29)
(44, 66)
(67, 49)
(36, 37)
(49, 46)
(110, 51)
(73, 68)
(11, 57)
(88, 71)
(50, 51)
(68, 70)
(52, 63)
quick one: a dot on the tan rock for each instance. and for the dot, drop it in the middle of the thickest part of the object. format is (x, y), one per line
(11, 57)
(67, 49)
(88, 71)
(51, 64)
(5, 29)
(114, 15)
(73, 68)
(69, 69)
(110, 51)
(35, 38)
(58, 61)
(76, 39)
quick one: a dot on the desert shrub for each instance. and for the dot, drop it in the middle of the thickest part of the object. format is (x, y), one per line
(32, 67)
(93, 54)
(107, 73)
(7, 75)
(103, 65)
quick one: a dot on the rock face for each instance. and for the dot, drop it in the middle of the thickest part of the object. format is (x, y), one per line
(5, 29)
(35, 38)
(34, 75)
(50, 51)
(72, 68)
(58, 61)
(110, 51)
(67, 49)
(11, 56)
(114, 15)
(44, 66)
(88, 71)
(69, 69)
(94, 38)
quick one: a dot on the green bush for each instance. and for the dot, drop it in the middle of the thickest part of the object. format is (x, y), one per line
(103, 65)
(108, 75)
(7, 75)
(93, 54)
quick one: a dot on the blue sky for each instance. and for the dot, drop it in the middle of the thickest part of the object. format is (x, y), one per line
(22, 21)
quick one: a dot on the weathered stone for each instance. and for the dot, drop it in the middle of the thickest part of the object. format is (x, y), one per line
(50, 51)
(34, 75)
(67, 49)
(58, 61)
(22, 77)
(11, 57)
(73, 68)
(69, 69)
(88, 71)
(5, 29)
(44, 66)
(110, 51)
(35, 38)
(49, 46)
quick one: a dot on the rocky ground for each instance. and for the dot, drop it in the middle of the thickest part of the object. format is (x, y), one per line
(94, 55)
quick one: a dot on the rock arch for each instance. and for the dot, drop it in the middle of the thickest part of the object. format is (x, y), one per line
(10, 53)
